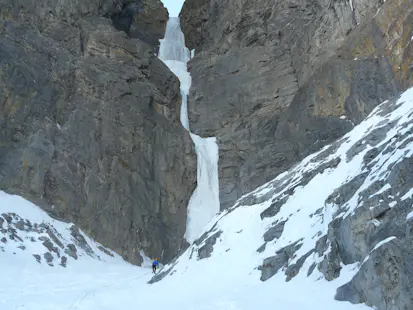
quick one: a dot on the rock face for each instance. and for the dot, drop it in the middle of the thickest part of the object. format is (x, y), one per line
(89, 121)
(143, 19)
(276, 80)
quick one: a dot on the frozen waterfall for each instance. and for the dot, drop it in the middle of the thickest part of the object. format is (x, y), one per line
(204, 203)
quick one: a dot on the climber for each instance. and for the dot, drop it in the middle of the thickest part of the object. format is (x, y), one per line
(155, 265)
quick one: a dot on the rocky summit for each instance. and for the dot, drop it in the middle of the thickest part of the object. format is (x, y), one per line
(277, 80)
(89, 121)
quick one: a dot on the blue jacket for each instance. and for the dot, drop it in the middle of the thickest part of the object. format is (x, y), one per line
(155, 263)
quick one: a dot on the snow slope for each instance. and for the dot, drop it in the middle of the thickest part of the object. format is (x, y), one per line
(235, 264)
(35, 236)
(100, 281)
(48, 264)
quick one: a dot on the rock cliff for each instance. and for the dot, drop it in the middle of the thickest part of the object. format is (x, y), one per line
(276, 80)
(89, 121)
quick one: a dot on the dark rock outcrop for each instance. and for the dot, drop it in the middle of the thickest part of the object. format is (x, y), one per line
(390, 286)
(50, 246)
(294, 269)
(63, 261)
(206, 250)
(89, 121)
(275, 231)
(271, 265)
(288, 77)
(71, 251)
(49, 258)
(37, 257)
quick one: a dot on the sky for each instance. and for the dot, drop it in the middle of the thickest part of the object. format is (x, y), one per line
(173, 6)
